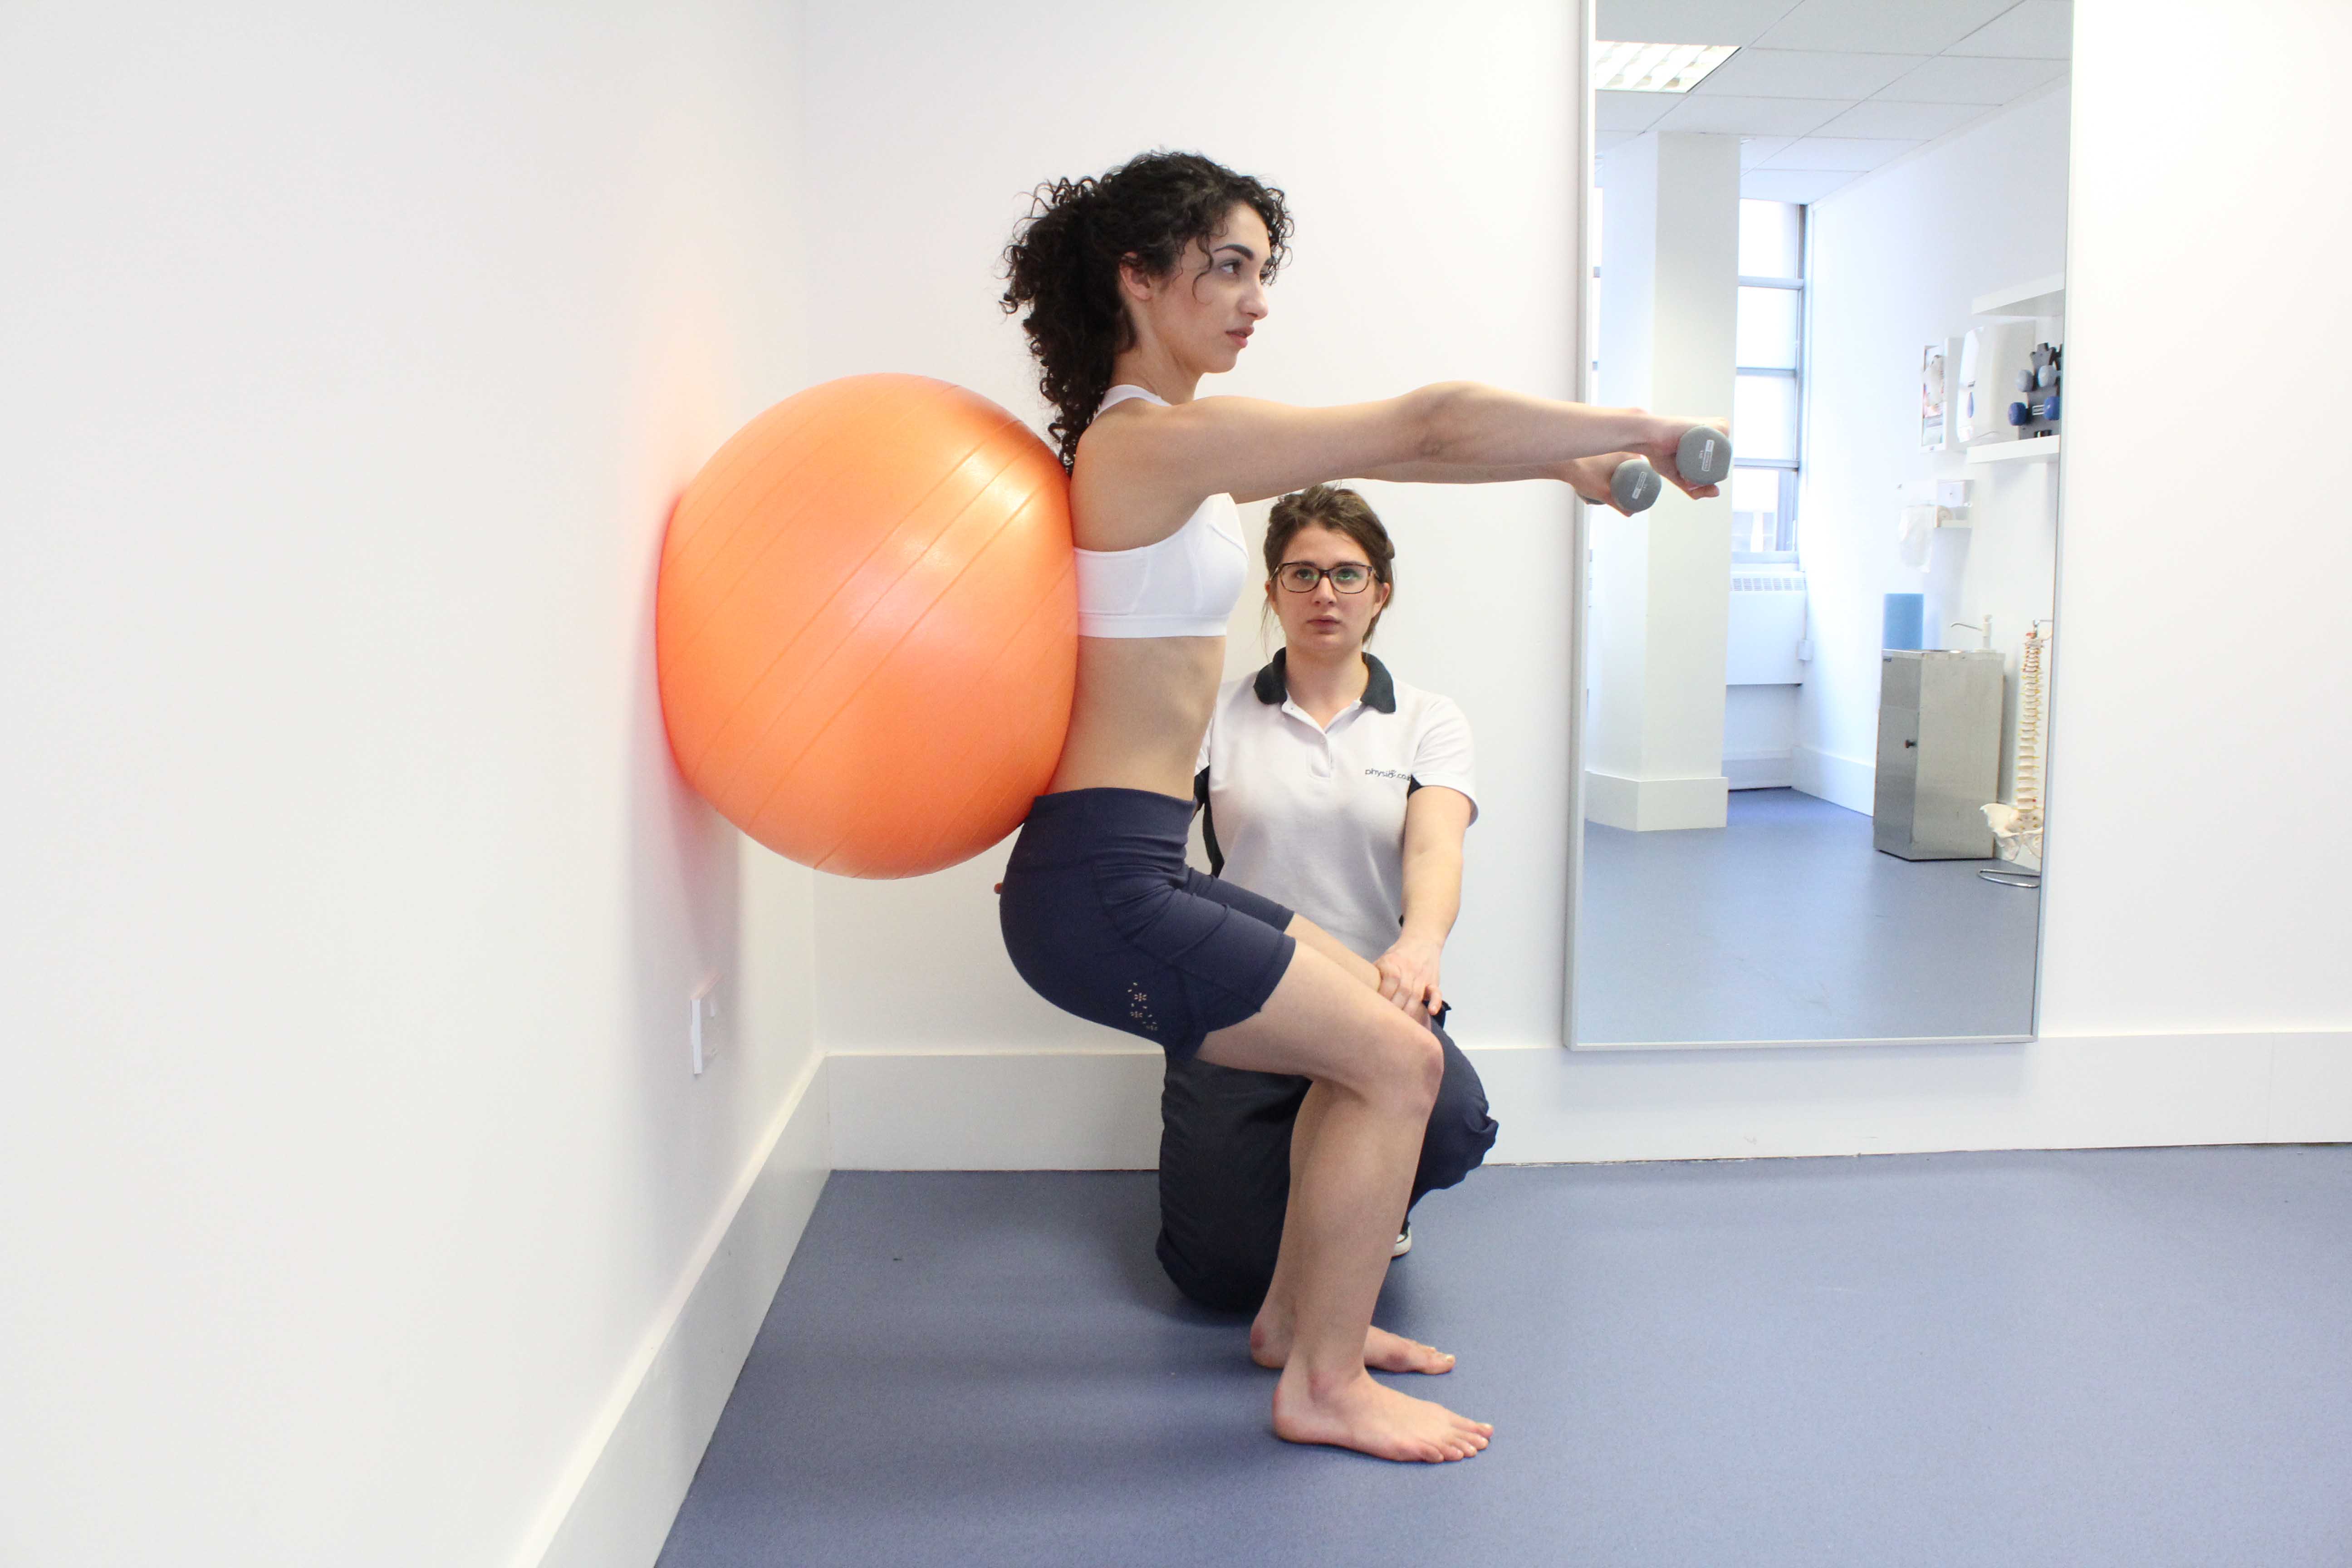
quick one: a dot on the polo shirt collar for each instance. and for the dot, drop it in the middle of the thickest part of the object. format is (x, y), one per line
(1273, 685)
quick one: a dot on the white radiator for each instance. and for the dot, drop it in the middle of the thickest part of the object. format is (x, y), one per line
(1768, 624)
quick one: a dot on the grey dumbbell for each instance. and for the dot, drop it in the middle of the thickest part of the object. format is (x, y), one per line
(1635, 486)
(1704, 457)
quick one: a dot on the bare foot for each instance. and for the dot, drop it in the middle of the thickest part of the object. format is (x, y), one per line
(1373, 1418)
(1384, 1352)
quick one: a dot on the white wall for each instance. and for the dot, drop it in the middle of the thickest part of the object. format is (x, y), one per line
(2199, 677)
(1897, 257)
(352, 362)
(1431, 165)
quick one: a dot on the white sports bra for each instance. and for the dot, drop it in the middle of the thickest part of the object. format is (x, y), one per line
(1184, 585)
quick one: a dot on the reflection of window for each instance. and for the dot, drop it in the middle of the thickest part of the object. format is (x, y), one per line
(1768, 398)
(1592, 305)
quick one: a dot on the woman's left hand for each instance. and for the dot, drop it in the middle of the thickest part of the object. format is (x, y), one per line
(1409, 975)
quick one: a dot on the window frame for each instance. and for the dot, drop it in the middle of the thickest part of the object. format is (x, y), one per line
(1791, 469)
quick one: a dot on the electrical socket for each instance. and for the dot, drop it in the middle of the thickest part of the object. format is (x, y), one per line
(706, 1024)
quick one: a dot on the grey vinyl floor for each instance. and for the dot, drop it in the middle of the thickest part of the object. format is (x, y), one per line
(2139, 1358)
(1787, 925)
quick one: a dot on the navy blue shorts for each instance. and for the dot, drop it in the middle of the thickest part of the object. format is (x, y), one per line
(1103, 917)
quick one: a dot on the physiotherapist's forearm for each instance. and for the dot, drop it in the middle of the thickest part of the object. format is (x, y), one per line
(1432, 893)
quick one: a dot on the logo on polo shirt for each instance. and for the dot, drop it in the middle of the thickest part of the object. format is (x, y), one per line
(1387, 773)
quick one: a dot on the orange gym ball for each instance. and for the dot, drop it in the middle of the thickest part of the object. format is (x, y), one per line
(867, 626)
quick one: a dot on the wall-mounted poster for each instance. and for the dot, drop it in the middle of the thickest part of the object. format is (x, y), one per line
(1932, 393)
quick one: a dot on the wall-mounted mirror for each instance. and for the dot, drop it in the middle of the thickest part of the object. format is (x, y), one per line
(1844, 225)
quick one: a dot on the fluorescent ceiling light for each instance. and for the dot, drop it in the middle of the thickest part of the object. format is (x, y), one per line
(1656, 68)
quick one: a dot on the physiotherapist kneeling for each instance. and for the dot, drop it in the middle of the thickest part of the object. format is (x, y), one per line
(1332, 788)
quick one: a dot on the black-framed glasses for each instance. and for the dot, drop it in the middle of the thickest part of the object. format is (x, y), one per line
(1348, 577)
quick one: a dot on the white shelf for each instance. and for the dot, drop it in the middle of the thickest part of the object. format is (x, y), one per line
(2025, 302)
(2025, 449)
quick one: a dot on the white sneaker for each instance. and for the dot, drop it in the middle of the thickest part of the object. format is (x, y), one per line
(1404, 1241)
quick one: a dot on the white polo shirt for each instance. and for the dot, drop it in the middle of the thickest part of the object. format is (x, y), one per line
(1312, 816)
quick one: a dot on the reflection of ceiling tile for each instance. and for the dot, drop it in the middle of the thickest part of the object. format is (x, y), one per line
(1852, 153)
(2038, 29)
(1914, 121)
(1751, 116)
(1957, 78)
(1632, 111)
(1821, 92)
(1689, 21)
(1884, 26)
(1802, 73)
(1792, 184)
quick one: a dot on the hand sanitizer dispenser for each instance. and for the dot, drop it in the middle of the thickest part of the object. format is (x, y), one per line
(1990, 357)
(1964, 420)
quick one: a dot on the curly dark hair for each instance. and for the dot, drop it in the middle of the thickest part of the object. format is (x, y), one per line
(1063, 264)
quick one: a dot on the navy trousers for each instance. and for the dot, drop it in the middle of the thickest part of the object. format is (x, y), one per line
(1224, 1168)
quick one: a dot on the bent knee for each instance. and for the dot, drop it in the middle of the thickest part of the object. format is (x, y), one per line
(1408, 1064)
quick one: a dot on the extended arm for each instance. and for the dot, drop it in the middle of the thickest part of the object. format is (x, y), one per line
(1588, 477)
(1436, 818)
(1251, 449)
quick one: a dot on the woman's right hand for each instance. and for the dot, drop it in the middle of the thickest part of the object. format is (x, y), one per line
(1593, 478)
(1408, 976)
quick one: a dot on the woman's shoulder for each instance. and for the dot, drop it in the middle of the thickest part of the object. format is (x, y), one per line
(1435, 704)
(1123, 498)
(1421, 707)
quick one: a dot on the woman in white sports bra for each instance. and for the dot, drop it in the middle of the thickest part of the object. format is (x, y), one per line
(1135, 286)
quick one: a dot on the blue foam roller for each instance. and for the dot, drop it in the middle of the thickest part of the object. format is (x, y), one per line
(1906, 616)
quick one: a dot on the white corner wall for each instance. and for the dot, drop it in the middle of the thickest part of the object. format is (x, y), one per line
(359, 1200)
(1897, 258)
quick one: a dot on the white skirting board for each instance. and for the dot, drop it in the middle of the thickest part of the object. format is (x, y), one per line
(1848, 782)
(1760, 769)
(2061, 1092)
(617, 1501)
(998, 1110)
